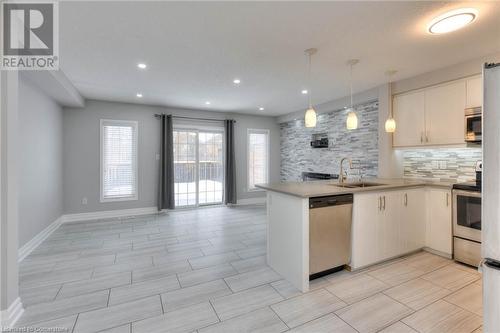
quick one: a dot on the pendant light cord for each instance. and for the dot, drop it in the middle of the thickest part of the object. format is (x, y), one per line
(309, 79)
(390, 74)
(352, 109)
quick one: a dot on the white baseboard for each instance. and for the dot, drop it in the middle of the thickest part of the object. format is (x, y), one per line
(9, 317)
(27, 248)
(252, 201)
(68, 218)
(438, 253)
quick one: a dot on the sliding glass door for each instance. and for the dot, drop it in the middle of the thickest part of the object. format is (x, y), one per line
(185, 166)
(210, 166)
(199, 171)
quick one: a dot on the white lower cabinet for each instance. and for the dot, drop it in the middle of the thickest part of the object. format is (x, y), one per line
(439, 221)
(366, 218)
(388, 224)
(412, 220)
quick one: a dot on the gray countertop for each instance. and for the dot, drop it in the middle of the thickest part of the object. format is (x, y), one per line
(328, 187)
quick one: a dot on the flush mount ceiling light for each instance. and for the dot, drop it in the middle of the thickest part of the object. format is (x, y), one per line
(207, 103)
(138, 95)
(352, 118)
(304, 92)
(142, 65)
(390, 123)
(236, 81)
(452, 20)
(310, 115)
(261, 109)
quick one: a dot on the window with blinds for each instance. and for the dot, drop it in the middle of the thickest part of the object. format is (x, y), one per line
(118, 160)
(258, 157)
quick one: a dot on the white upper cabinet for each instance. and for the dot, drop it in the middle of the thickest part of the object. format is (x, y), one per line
(474, 92)
(434, 116)
(410, 119)
(444, 114)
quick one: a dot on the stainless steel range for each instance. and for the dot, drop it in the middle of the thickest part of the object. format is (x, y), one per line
(467, 220)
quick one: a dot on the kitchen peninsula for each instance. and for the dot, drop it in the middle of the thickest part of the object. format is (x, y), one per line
(390, 218)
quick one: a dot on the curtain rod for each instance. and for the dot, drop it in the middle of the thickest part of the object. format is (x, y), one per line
(193, 118)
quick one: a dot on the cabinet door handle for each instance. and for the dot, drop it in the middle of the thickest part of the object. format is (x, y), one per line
(421, 137)
(384, 202)
(406, 199)
(379, 203)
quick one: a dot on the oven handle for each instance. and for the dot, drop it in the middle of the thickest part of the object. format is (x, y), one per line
(467, 193)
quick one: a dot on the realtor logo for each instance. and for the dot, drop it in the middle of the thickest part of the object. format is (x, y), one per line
(30, 35)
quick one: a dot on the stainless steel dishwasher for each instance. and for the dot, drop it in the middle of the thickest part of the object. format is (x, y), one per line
(330, 220)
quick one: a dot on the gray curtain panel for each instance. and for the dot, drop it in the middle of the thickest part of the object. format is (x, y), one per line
(230, 165)
(166, 186)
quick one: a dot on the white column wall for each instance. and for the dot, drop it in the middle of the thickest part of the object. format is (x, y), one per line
(10, 305)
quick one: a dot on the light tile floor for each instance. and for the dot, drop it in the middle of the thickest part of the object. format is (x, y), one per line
(204, 270)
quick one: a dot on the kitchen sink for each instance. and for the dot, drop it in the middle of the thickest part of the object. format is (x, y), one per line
(356, 185)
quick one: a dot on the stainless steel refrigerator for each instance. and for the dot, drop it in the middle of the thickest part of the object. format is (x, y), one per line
(490, 250)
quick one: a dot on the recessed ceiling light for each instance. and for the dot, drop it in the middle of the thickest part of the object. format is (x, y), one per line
(236, 81)
(261, 109)
(304, 92)
(139, 95)
(142, 65)
(452, 20)
(207, 103)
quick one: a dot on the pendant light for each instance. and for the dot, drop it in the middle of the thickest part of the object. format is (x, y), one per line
(390, 123)
(310, 116)
(352, 118)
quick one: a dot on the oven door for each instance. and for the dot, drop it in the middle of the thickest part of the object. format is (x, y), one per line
(473, 128)
(467, 215)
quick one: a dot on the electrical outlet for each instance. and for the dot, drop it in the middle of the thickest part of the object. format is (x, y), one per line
(84, 200)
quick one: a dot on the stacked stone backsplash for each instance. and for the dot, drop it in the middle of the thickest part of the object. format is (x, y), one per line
(361, 145)
(441, 163)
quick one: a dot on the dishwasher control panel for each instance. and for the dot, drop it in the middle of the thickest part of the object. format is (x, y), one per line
(335, 200)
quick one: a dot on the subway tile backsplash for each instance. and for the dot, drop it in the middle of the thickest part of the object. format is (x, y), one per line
(441, 163)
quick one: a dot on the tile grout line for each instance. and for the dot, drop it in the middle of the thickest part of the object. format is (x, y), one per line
(213, 308)
(277, 315)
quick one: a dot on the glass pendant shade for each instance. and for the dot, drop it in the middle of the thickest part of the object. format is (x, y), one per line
(352, 120)
(390, 125)
(310, 118)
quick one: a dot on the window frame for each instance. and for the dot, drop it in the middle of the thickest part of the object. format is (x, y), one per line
(114, 122)
(267, 132)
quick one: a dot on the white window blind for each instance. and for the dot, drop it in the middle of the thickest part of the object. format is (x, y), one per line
(258, 157)
(118, 160)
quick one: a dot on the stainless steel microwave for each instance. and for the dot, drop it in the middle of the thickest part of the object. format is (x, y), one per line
(473, 125)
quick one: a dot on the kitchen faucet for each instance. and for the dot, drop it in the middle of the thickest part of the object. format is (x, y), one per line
(343, 177)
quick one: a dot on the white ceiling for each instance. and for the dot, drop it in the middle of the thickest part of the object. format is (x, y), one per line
(194, 50)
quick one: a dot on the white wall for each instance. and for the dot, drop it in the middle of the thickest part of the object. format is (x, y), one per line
(40, 161)
(9, 219)
(81, 152)
(450, 73)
